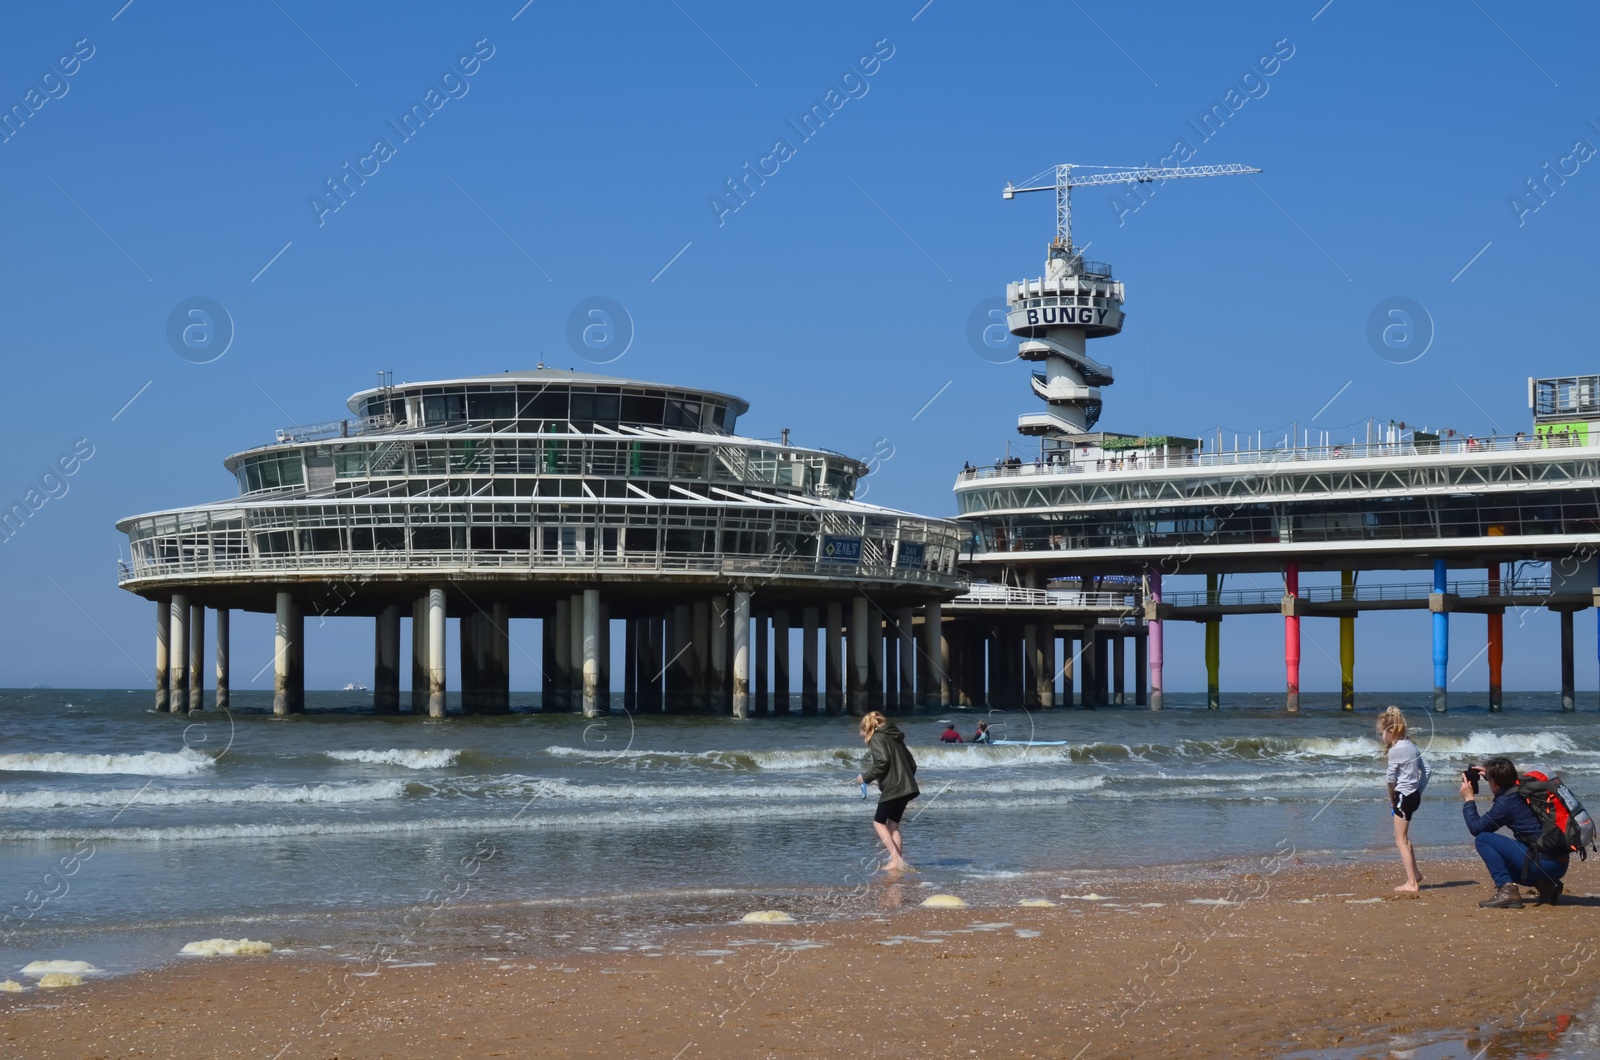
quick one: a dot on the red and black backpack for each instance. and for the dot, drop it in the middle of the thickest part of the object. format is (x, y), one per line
(1567, 825)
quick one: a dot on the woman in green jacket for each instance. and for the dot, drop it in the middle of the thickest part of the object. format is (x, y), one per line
(895, 772)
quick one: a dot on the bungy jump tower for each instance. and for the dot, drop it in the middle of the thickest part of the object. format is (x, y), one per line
(585, 502)
(1074, 546)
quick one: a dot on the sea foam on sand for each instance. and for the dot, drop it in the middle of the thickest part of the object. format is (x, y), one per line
(60, 979)
(226, 948)
(11, 986)
(943, 901)
(768, 916)
(38, 968)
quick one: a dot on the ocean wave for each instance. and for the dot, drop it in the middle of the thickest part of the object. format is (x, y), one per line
(805, 758)
(743, 810)
(148, 763)
(397, 756)
(255, 795)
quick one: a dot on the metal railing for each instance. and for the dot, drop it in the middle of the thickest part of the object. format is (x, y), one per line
(592, 563)
(1003, 596)
(1323, 594)
(1453, 448)
(350, 428)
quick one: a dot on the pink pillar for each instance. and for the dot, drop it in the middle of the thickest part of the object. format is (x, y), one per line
(1291, 632)
(1154, 624)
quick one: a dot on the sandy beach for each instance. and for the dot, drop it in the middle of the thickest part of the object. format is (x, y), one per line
(1267, 959)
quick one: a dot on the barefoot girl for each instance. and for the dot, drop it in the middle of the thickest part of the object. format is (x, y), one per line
(1406, 776)
(895, 771)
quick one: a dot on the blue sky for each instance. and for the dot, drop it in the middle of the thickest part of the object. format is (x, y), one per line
(179, 159)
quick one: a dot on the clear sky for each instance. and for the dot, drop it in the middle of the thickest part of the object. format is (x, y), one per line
(174, 150)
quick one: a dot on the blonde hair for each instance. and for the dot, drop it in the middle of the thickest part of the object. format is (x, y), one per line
(1391, 723)
(872, 723)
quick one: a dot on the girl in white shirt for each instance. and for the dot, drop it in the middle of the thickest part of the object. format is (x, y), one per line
(1407, 776)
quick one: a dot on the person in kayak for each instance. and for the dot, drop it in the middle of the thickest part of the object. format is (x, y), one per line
(895, 771)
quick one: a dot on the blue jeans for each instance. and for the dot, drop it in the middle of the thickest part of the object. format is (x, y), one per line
(1508, 861)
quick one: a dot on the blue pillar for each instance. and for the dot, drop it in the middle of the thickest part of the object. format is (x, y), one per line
(1441, 640)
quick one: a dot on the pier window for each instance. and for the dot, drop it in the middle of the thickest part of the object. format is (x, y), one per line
(271, 471)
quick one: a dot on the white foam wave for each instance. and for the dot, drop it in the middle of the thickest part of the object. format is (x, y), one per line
(257, 794)
(148, 763)
(398, 756)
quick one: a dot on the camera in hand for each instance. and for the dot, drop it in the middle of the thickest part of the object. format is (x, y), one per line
(1472, 773)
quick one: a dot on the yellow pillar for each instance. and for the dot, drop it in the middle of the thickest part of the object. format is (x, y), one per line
(1213, 649)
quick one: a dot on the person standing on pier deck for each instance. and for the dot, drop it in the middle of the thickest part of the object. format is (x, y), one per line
(895, 772)
(1407, 776)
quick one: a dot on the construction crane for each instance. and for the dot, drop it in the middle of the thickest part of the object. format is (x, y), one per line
(1065, 182)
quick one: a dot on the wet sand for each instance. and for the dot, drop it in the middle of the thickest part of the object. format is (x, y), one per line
(1309, 954)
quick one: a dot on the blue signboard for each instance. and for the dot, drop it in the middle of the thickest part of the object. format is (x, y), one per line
(909, 555)
(842, 549)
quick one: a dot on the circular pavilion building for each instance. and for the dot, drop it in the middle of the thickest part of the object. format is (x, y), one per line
(590, 503)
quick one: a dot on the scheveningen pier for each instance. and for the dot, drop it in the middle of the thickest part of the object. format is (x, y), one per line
(607, 508)
(589, 503)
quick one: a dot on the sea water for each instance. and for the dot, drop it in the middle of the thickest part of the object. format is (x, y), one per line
(118, 824)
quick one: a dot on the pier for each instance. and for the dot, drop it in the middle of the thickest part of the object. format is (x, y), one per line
(604, 509)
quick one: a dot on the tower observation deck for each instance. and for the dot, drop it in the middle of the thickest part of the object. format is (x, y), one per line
(1074, 301)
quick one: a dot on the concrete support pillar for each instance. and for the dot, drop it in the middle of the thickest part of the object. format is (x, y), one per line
(1496, 633)
(810, 619)
(833, 658)
(654, 667)
(721, 627)
(562, 675)
(632, 649)
(1089, 667)
(1030, 664)
(591, 653)
(1119, 667)
(741, 654)
(889, 670)
(875, 700)
(858, 655)
(385, 659)
(419, 655)
(1047, 666)
(284, 635)
(297, 658)
(500, 656)
(700, 655)
(282, 631)
(1141, 671)
(1347, 644)
(470, 643)
(1155, 634)
(1213, 648)
(763, 676)
(780, 662)
(575, 649)
(224, 671)
(904, 623)
(1441, 640)
(1568, 700)
(436, 670)
(1102, 668)
(1069, 667)
(681, 671)
(604, 692)
(936, 692)
(197, 657)
(178, 698)
(163, 652)
(547, 664)
(1291, 635)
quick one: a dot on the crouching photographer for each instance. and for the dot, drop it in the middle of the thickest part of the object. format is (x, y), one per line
(1510, 861)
